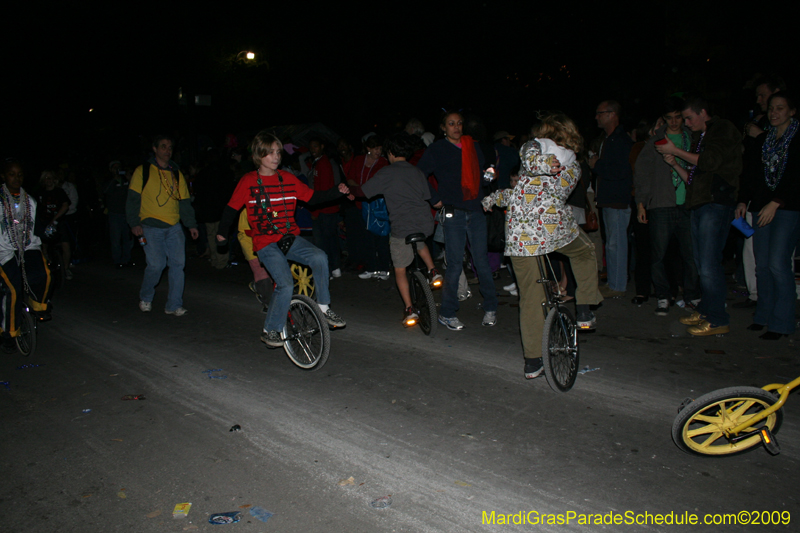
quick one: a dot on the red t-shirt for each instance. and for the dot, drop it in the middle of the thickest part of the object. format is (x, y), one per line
(269, 205)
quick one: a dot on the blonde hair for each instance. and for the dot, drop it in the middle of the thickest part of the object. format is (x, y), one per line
(560, 129)
(261, 145)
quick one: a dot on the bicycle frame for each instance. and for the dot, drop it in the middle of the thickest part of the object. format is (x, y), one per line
(783, 390)
(552, 298)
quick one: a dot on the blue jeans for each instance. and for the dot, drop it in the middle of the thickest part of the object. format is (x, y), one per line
(277, 265)
(166, 247)
(710, 226)
(666, 222)
(616, 222)
(466, 225)
(773, 246)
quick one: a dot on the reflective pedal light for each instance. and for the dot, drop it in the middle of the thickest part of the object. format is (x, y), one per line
(765, 436)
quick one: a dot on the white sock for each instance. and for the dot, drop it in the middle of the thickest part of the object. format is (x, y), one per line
(324, 308)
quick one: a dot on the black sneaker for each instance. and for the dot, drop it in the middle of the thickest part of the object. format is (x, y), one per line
(334, 320)
(272, 339)
(533, 368)
(663, 307)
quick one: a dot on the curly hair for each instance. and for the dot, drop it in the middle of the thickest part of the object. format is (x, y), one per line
(560, 129)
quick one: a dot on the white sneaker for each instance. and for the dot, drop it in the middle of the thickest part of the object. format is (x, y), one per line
(510, 288)
(178, 312)
(367, 275)
(515, 292)
(382, 275)
(489, 318)
(145, 307)
(336, 273)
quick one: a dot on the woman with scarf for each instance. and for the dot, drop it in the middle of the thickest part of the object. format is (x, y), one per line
(770, 190)
(457, 162)
(23, 269)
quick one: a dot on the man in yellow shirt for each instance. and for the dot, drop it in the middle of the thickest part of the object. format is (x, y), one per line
(158, 201)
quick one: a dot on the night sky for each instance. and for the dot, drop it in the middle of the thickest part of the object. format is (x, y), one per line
(358, 67)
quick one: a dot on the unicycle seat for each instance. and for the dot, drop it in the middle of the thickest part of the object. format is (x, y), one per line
(415, 237)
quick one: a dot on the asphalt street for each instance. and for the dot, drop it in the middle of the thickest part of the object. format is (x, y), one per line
(446, 426)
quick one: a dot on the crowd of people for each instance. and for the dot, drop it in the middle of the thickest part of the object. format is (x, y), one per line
(655, 203)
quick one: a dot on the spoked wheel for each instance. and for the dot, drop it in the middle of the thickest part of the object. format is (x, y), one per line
(424, 304)
(700, 427)
(26, 338)
(560, 352)
(307, 337)
(303, 280)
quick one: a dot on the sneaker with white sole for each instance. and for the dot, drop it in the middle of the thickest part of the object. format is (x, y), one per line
(368, 275)
(382, 275)
(510, 288)
(586, 321)
(272, 339)
(145, 307)
(663, 307)
(467, 295)
(514, 292)
(451, 323)
(533, 368)
(336, 273)
(489, 318)
(333, 319)
(177, 312)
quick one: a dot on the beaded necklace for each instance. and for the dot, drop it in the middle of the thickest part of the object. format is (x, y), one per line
(694, 167)
(17, 223)
(265, 203)
(169, 187)
(775, 153)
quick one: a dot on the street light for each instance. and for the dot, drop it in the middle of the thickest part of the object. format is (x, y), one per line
(247, 54)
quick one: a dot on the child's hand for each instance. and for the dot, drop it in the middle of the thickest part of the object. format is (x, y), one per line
(344, 189)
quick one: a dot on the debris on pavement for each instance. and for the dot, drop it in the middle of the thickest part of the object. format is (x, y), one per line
(382, 502)
(121, 494)
(349, 481)
(260, 513)
(211, 371)
(235, 427)
(181, 510)
(28, 365)
(154, 514)
(86, 411)
(225, 518)
(587, 369)
(462, 483)
(134, 397)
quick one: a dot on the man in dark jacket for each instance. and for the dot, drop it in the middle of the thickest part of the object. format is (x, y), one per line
(712, 181)
(614, 184)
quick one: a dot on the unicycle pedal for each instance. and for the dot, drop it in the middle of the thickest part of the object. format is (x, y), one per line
(769, 442)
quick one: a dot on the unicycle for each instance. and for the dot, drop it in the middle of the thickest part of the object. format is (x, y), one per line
(560, 348)
(732, 421)
(307, 337)
(420, 289)
(26, 334)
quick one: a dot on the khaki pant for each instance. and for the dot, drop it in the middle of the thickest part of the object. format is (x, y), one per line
(531, 294)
